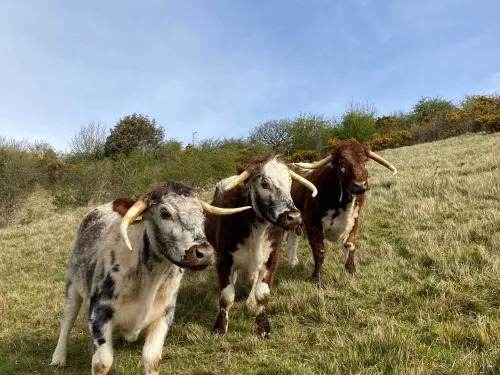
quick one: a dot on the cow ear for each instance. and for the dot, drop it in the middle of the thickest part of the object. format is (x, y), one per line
(239, 168)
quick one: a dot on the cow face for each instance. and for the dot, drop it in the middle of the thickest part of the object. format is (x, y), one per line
(269, 187)
(174, 223)
(349, 160)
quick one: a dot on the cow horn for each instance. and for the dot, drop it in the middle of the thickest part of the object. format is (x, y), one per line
(137, 208)
(318, 164)
(379, 159)
(209, 209)
(238, 180)
(308, 184)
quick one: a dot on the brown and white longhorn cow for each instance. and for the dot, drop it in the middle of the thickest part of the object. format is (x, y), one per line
(128, 277)
(248, 244)
(341, 179)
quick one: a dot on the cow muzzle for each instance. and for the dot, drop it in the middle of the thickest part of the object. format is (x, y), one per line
(289, 220)
(359, 187)
(198, 257)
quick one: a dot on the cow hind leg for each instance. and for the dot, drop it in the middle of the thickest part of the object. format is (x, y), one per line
(72, 306)
(292, 244)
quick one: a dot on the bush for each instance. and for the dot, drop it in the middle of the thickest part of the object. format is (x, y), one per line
(357, 122)
(303, 156)
(489, 122)
(391, 140)
(20, 171)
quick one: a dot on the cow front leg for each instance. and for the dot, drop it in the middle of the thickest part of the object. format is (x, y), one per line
(227, 282)
(292, 241)
(317, 243)
(72, 304)
(350, 241)
(263, 292)
(100, 325)
(155, 338)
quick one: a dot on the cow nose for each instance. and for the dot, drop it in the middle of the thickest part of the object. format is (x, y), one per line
(290, 219)
(199, 256)
(294, 216)
(359, 187)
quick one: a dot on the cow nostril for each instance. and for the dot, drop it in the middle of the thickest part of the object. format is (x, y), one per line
(200, 253)
(293, 216)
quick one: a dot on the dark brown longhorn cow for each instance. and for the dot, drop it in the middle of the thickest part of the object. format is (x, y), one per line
(342, 180)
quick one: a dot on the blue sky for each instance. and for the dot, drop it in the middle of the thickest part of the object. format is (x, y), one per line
(221, 67)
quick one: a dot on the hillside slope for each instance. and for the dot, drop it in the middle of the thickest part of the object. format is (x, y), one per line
(425, 300)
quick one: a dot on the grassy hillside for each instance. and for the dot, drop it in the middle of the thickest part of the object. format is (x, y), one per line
(425, 300)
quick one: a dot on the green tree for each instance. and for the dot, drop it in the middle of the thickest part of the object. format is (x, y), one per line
(357, 122)
(136, 131)
(427, 106)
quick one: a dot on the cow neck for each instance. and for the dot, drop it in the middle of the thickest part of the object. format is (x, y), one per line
(149, 259)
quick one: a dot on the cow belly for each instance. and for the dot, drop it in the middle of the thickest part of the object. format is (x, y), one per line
(337, 224)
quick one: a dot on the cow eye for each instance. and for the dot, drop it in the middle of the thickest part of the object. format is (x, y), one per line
(165, 215)
(342, 169)
(265, 185)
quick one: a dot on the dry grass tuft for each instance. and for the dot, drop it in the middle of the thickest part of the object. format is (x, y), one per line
(426, 299)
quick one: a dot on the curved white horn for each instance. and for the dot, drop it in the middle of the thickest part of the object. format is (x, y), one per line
(209, 209)
(379, 159)
(308, 184)
(238, 180)
(316, 164)
(137, 208)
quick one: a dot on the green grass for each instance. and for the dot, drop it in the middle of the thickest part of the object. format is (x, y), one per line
(425, 300)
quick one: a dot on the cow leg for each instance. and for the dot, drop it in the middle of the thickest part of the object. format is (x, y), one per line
(292, 240)
(100, 324)
(155, 338)
(262, 293)
(350, 241)
(227, 280)
(72, 304)
(317, 243)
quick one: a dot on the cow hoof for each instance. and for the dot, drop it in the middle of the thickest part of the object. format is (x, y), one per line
(316, 280)
(294, 262)
(218, 332)
(351, 268)
(58, 362)
(263, 330)
(264, 335)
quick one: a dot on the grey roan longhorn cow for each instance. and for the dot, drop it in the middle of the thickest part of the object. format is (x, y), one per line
(132, 291)
(341, 179)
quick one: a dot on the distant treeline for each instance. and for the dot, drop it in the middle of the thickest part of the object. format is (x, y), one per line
(125, 160)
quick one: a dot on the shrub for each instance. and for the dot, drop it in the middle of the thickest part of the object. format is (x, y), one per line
(303, 156)
(357, 122)
(333, 142)
(489, 122)
(391, 140)
(20, 171)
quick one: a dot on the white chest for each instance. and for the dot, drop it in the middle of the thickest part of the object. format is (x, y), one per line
(337, 224)
(136, 310)
(251, 256)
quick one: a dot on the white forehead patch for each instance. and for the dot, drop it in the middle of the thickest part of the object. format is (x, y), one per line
(278, 174)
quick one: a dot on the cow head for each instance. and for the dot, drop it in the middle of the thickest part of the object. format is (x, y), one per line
(349, 161)
(173, 219)
(268, 181)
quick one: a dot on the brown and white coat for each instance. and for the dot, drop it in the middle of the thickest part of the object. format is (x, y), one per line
(341, 180)
(248, 245)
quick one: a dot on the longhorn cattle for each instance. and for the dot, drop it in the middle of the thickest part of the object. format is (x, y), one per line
(247, 245)
(342, 180)
(128, 278)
